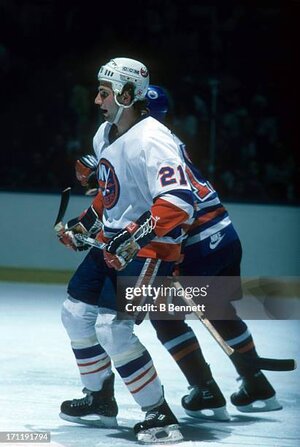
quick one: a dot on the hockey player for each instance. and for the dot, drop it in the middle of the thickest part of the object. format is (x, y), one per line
(138, 160)
(206, 257)
(213, 249)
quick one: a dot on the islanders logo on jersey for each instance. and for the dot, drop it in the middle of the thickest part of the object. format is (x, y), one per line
(109, 183)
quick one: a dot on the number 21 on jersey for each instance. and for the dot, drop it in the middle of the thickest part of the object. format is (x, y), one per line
(170, 176)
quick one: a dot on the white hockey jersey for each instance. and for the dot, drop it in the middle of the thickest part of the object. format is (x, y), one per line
(139, 171)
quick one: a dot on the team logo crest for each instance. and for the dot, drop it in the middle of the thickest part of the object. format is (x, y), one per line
(109, 183)
(144, 72)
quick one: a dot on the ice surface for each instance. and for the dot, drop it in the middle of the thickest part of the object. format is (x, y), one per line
(38, 372)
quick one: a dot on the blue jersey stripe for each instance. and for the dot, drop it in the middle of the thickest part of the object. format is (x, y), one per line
(134, 365)
(183, 194)
(86, 353)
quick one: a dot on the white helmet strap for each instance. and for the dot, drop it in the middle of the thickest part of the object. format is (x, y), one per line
(120, 109)
(118, 115)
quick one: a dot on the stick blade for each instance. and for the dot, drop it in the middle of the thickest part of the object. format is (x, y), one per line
(277, 364)
(263, 363)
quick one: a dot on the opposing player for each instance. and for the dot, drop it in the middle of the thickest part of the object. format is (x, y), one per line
(213, 249)
(217, 254)
(138, 159)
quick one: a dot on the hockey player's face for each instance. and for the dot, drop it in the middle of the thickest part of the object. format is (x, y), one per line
(105, 100)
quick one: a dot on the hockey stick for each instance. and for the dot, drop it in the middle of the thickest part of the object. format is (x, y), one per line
(90, 241)
(259, 362)
(64, 200)
(143, 230)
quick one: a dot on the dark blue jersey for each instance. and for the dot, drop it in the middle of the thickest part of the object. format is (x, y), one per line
(212, 226)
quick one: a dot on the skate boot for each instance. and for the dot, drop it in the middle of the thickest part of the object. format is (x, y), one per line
(206, 401)
(160, 426)
(97, 408)
(256, 394)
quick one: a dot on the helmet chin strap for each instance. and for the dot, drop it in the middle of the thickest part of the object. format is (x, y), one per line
(120, 109)
(118, 115)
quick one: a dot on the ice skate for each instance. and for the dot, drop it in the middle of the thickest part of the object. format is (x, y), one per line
(97, 408)
(160, 426)
(256, 394)
(206, 401)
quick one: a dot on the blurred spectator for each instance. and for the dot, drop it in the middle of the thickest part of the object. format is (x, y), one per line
(48, 67)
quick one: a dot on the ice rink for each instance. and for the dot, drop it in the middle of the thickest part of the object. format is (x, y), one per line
(38, 372)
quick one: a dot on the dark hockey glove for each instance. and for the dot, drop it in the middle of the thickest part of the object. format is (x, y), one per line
(127, 242)
(87, 223)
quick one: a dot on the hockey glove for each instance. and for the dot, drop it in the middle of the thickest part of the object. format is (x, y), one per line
(114, 261)
(84, 167)
(124, 246)
(85, 170)
(68, 239)
(87, 223)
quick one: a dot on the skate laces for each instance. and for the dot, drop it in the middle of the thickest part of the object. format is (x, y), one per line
(146, 228)
(201, 391)
(87, 400)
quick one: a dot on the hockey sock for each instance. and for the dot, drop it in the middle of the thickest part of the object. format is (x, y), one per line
(237, 335)
(130, 357)
(94, 366)
(140, 377)
(181, 343)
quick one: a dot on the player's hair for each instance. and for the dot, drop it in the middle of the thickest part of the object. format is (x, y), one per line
(140, 106)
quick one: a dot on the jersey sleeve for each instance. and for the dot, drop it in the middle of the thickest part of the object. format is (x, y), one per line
(169, 187)
(98, 204)
(167, 216)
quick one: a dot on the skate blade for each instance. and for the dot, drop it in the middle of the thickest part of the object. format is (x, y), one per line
(212, 414)
(94, 420)
(160, 435)
(258, 406)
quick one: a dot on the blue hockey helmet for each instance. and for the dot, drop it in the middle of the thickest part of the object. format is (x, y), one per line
(158, 102)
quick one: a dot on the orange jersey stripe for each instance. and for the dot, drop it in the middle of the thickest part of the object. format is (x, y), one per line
(185, 351)
(138, 377)
(170, 216)
(89, 363)
(207, 217)
(96, 370)
(146, 383)
(246, 348)
(159, 250)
